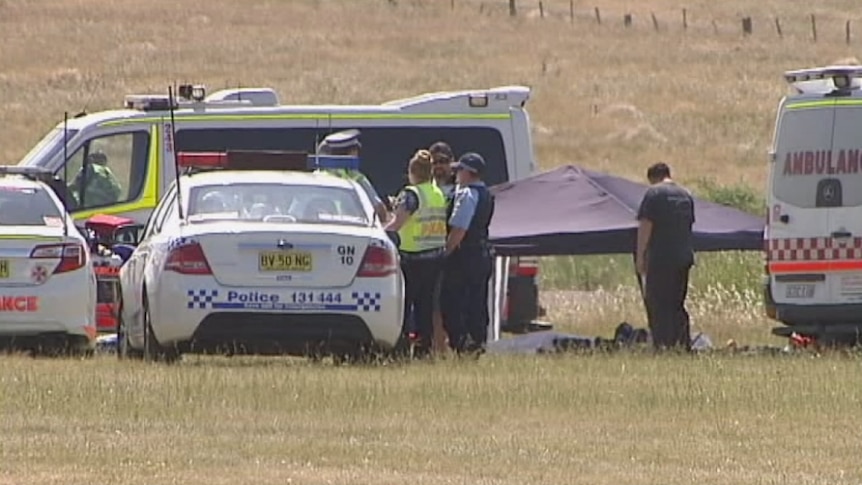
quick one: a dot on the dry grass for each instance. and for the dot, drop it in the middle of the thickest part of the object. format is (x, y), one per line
(602, 420)
(604, 97)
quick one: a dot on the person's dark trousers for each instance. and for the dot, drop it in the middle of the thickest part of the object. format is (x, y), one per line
(420, 278)
(465, 299)
(666, 288)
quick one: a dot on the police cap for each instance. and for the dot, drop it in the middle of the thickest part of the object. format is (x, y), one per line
(470, 161)
(342, 140)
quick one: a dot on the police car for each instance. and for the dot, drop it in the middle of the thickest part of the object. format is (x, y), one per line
(246, 260)
(47, 283)
(814, 226)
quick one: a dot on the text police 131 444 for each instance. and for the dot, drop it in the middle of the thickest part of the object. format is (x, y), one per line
(295, 301)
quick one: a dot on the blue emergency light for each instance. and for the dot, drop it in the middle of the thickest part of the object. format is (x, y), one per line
(333, 162)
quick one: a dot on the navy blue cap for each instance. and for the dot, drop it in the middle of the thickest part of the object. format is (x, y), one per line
(470, 161)
(341, 140)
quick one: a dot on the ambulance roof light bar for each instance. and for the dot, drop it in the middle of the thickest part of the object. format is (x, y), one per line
(817, 80)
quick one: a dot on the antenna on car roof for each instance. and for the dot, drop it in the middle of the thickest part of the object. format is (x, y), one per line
(66, 193)
(171, 106)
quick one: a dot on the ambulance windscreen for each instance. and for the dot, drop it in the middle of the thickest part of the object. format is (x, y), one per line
(27, 206)
(818, 158)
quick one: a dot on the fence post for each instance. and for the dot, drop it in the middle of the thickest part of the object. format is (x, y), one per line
(513, 9)
(746, 26)
(452, 4)
(847, 32)
(684, 19)
(778, 28)
(572, 11)
(813, 28)
(541, 9)
(654, 21)
(714, 26)
(627, 20)
(598, 16)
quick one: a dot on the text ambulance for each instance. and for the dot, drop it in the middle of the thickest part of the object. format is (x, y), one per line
(814, 225)
(133, 148)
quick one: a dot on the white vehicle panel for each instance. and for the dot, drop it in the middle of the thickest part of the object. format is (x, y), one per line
(798, 228)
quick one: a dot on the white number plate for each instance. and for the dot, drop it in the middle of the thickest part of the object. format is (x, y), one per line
(800, 291)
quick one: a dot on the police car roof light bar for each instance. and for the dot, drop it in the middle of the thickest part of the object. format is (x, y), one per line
(245, 160)
(334, 162)
(842, 77)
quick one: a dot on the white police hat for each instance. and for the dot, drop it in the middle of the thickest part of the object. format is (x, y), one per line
(342, 140)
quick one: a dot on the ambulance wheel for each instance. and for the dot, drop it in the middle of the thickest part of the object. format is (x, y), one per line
(124, 350)
(153, 350)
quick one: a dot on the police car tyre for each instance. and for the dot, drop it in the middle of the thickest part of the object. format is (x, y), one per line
(124, 350)
(153, 350)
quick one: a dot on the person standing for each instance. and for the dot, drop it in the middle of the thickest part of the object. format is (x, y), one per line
(468, 264)
(442, 157)
(420, 220)
(664, 257)
(346, 143)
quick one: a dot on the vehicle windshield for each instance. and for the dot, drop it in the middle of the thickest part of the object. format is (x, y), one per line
(27, 206)
(47, 148)
(272, 202)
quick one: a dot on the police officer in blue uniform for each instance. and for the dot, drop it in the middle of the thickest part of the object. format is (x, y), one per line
(468, 264)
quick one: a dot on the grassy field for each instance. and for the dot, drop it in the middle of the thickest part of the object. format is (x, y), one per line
(602, 420)
(604, 97)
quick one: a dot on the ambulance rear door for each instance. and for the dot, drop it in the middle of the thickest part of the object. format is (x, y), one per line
(799, 228)
(840, 188)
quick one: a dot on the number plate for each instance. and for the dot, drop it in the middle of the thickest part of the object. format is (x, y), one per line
(285, 261)
(4, 268)
(800, 291)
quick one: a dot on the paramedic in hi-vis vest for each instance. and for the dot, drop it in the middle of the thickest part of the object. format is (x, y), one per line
(468, 264)
(420, 219)
(346, 143)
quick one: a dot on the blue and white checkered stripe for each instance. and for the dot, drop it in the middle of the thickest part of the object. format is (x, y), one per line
(367, 301)
(202, 298)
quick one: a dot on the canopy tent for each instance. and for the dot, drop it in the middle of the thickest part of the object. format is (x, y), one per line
(575, 211)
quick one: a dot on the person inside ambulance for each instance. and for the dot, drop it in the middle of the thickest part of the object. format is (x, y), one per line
(346, 143)
(102, 187)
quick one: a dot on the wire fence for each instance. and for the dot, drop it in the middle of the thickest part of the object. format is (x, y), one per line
(813, 27)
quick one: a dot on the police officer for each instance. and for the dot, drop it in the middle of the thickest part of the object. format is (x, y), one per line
(346, 143)
(468, 264)
(102, 187)
(442, 158)
(420, 220)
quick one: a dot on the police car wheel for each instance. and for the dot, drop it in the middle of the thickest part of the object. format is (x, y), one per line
(153, 351)
(124, 350)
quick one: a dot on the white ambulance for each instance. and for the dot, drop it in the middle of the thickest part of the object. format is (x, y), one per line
(813, 238)
(134, 146)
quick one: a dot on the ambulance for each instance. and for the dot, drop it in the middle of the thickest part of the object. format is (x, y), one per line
(813, 236)
(134, 146)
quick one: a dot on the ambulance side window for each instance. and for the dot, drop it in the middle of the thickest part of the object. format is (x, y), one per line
(116, 169)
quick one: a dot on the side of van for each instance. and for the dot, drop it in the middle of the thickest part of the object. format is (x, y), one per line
(137, 145)
(813, 238)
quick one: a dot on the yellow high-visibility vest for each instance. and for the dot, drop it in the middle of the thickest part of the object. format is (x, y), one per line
(426, 228)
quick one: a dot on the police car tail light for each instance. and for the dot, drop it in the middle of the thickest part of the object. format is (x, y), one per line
(188, 259)
(71, 256)
(525, 267)
(378, 262)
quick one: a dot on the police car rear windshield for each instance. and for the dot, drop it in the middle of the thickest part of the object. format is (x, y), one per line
(27, 206)
(282, 203)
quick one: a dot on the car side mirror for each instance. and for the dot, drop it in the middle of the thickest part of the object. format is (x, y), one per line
(129, 235)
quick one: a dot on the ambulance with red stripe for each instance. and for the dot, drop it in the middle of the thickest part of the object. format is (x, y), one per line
(138, 146)
(813, 236)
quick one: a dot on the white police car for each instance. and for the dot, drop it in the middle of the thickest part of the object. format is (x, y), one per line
(262, 262)
(47, 283)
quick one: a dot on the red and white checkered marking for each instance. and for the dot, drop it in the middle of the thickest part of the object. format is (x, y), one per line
(813, 249)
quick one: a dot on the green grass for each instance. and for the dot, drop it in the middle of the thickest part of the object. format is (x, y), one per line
(605, 419)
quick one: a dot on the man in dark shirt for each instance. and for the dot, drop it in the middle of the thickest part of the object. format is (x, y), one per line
(665, 255)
